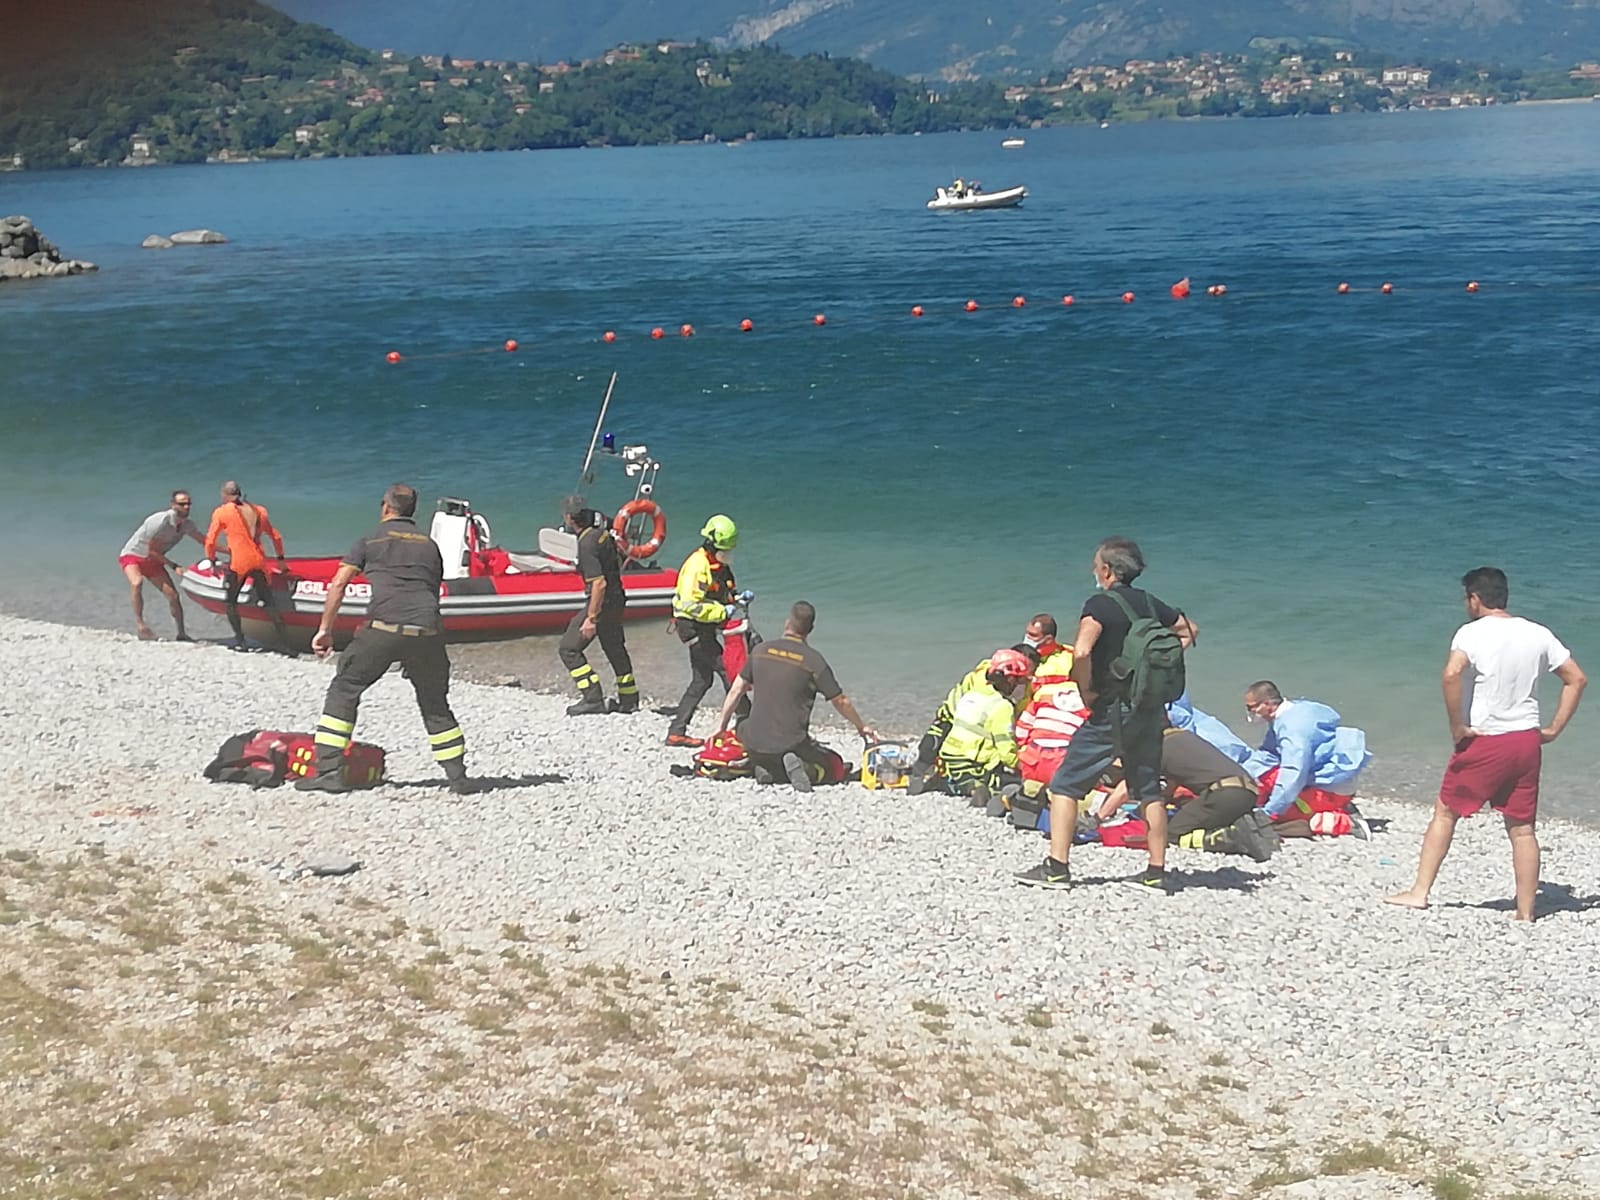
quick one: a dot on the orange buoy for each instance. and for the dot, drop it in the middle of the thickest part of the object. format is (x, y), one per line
(1387, 288)
(916, 310)
(1127, 297)
(609, 335)
(972, 306)
(819, 319)
(1472, 285)
(1180, 290)
(1344, 289)
(1222, 289)
(658, 332)
(1018, 302)
(746, 325)
(511, 346)
(1068, 301)
(686, 330)
(393, 356)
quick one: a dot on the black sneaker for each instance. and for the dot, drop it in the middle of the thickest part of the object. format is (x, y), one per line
(799, 774)
(1152, 881)
(588, 706)
(464, 786)
(978, 797)
(333, 781)
(763, 776)
(1048, 874)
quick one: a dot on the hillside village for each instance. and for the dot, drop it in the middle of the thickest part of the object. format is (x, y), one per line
(366, 103)
(1335, 81)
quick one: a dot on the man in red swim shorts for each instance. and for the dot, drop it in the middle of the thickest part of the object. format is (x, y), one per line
(144, 556)
(1491, 682)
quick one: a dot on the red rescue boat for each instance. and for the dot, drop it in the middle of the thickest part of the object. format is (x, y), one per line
(488, 593)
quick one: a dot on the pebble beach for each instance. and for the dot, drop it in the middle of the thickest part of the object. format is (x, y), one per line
(1346, 1018)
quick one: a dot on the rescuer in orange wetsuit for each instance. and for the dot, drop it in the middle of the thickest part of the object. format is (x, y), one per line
(243, 524)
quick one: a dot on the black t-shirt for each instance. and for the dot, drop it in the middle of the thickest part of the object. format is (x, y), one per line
(1115, 626)
(405, 570)
(598, 559)
(786, 677)
(1190, 761)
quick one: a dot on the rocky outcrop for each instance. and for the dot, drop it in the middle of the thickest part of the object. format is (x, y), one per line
(198, 237)
(184, 237)
(25, 253)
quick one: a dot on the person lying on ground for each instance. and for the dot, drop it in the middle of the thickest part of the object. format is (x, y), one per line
(145, 556)
(980, 751)
(1216, 800)
(1491, 699)
(783, 678)
(1308, 763)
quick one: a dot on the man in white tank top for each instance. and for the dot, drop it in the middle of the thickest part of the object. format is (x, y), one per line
(1491, 695)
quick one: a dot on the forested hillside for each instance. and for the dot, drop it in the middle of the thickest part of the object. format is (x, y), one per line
(231, 79)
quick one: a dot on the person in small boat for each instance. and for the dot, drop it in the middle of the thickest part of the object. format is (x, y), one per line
(959, 189)
(1307, 765)
(405, 569)
(784, 677)
(600, 565)
(243, 525)
(939, 729)
(704, 599)
(980, 752)
(144, 556)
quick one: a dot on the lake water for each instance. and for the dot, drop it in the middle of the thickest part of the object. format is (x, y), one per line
(1308, 473)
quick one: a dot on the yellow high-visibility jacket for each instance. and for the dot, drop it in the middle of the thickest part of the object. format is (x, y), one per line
(981, 731)
(705, 589)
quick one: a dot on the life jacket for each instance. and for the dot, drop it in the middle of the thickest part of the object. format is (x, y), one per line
(265, 758)
(723, 757)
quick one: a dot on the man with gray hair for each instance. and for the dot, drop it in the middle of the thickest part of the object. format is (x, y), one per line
(1116, 727)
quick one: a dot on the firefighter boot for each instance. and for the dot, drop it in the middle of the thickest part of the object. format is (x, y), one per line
(329, 775)
(455, 770)
(591, 701)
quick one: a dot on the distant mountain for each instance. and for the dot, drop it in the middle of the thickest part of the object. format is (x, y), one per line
(960, 38)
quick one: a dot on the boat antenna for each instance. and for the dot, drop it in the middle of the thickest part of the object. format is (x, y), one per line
(584, 476)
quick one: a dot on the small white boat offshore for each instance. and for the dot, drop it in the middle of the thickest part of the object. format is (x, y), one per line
(960, 197)
(1013, 143)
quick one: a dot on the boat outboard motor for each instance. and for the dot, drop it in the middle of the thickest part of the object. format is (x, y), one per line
(449, 532)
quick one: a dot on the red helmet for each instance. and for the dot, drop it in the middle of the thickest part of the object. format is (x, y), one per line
(1010, 664)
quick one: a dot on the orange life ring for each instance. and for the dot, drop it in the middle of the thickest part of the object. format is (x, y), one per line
(619, 528)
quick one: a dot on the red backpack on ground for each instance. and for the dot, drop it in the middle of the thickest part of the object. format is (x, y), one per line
(266, 757)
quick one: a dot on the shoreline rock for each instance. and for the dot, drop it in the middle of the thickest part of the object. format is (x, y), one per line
(25, 253)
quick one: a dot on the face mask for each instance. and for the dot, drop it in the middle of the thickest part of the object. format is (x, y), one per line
(1029, 640)
(1251, 717)
(1096, 578)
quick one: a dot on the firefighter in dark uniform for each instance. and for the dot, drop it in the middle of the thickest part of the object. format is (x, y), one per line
(600, 565)
(403, 626)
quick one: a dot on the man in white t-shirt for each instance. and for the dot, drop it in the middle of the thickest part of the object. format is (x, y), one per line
(1491, 694)
(145, 557)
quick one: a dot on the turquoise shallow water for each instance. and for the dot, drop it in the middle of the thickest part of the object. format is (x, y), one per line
(1309, 474)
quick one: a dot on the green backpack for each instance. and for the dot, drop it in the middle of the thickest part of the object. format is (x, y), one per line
(1149, 671)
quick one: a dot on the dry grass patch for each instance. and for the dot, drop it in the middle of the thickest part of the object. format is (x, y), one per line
(204, 1042)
